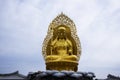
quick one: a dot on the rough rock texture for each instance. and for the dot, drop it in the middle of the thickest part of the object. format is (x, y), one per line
(62, 75)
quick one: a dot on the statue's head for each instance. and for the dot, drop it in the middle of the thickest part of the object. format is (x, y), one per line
(61, 33)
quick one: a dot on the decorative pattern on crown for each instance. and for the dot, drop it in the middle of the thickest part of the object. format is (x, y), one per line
(62, 19)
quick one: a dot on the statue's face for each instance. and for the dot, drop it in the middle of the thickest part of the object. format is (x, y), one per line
(61, 34)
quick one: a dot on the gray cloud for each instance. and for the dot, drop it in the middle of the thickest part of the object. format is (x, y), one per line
(24, 24)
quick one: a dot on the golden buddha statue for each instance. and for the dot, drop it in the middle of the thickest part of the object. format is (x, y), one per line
(61, 47)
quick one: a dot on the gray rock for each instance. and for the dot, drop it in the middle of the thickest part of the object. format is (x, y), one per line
(91, 74)
(50, 72)
(43, 74)
(75, 75)
(59, 74)
(68, 72)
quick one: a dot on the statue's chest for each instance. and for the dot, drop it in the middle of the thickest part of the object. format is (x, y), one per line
(61, 44)
(64, 43)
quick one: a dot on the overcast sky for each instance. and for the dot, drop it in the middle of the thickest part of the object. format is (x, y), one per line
(24, 25)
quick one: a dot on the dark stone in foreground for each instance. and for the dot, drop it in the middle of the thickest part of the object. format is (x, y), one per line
(62, 75)
(55, 75)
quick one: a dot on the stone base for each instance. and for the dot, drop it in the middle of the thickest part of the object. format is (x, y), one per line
(62, 65)
(62, 75)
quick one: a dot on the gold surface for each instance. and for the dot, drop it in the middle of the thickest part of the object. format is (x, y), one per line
(61, 47)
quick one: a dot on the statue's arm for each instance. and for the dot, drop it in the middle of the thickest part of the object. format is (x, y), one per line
(70, 47)
(53, 42)
(52, 46)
